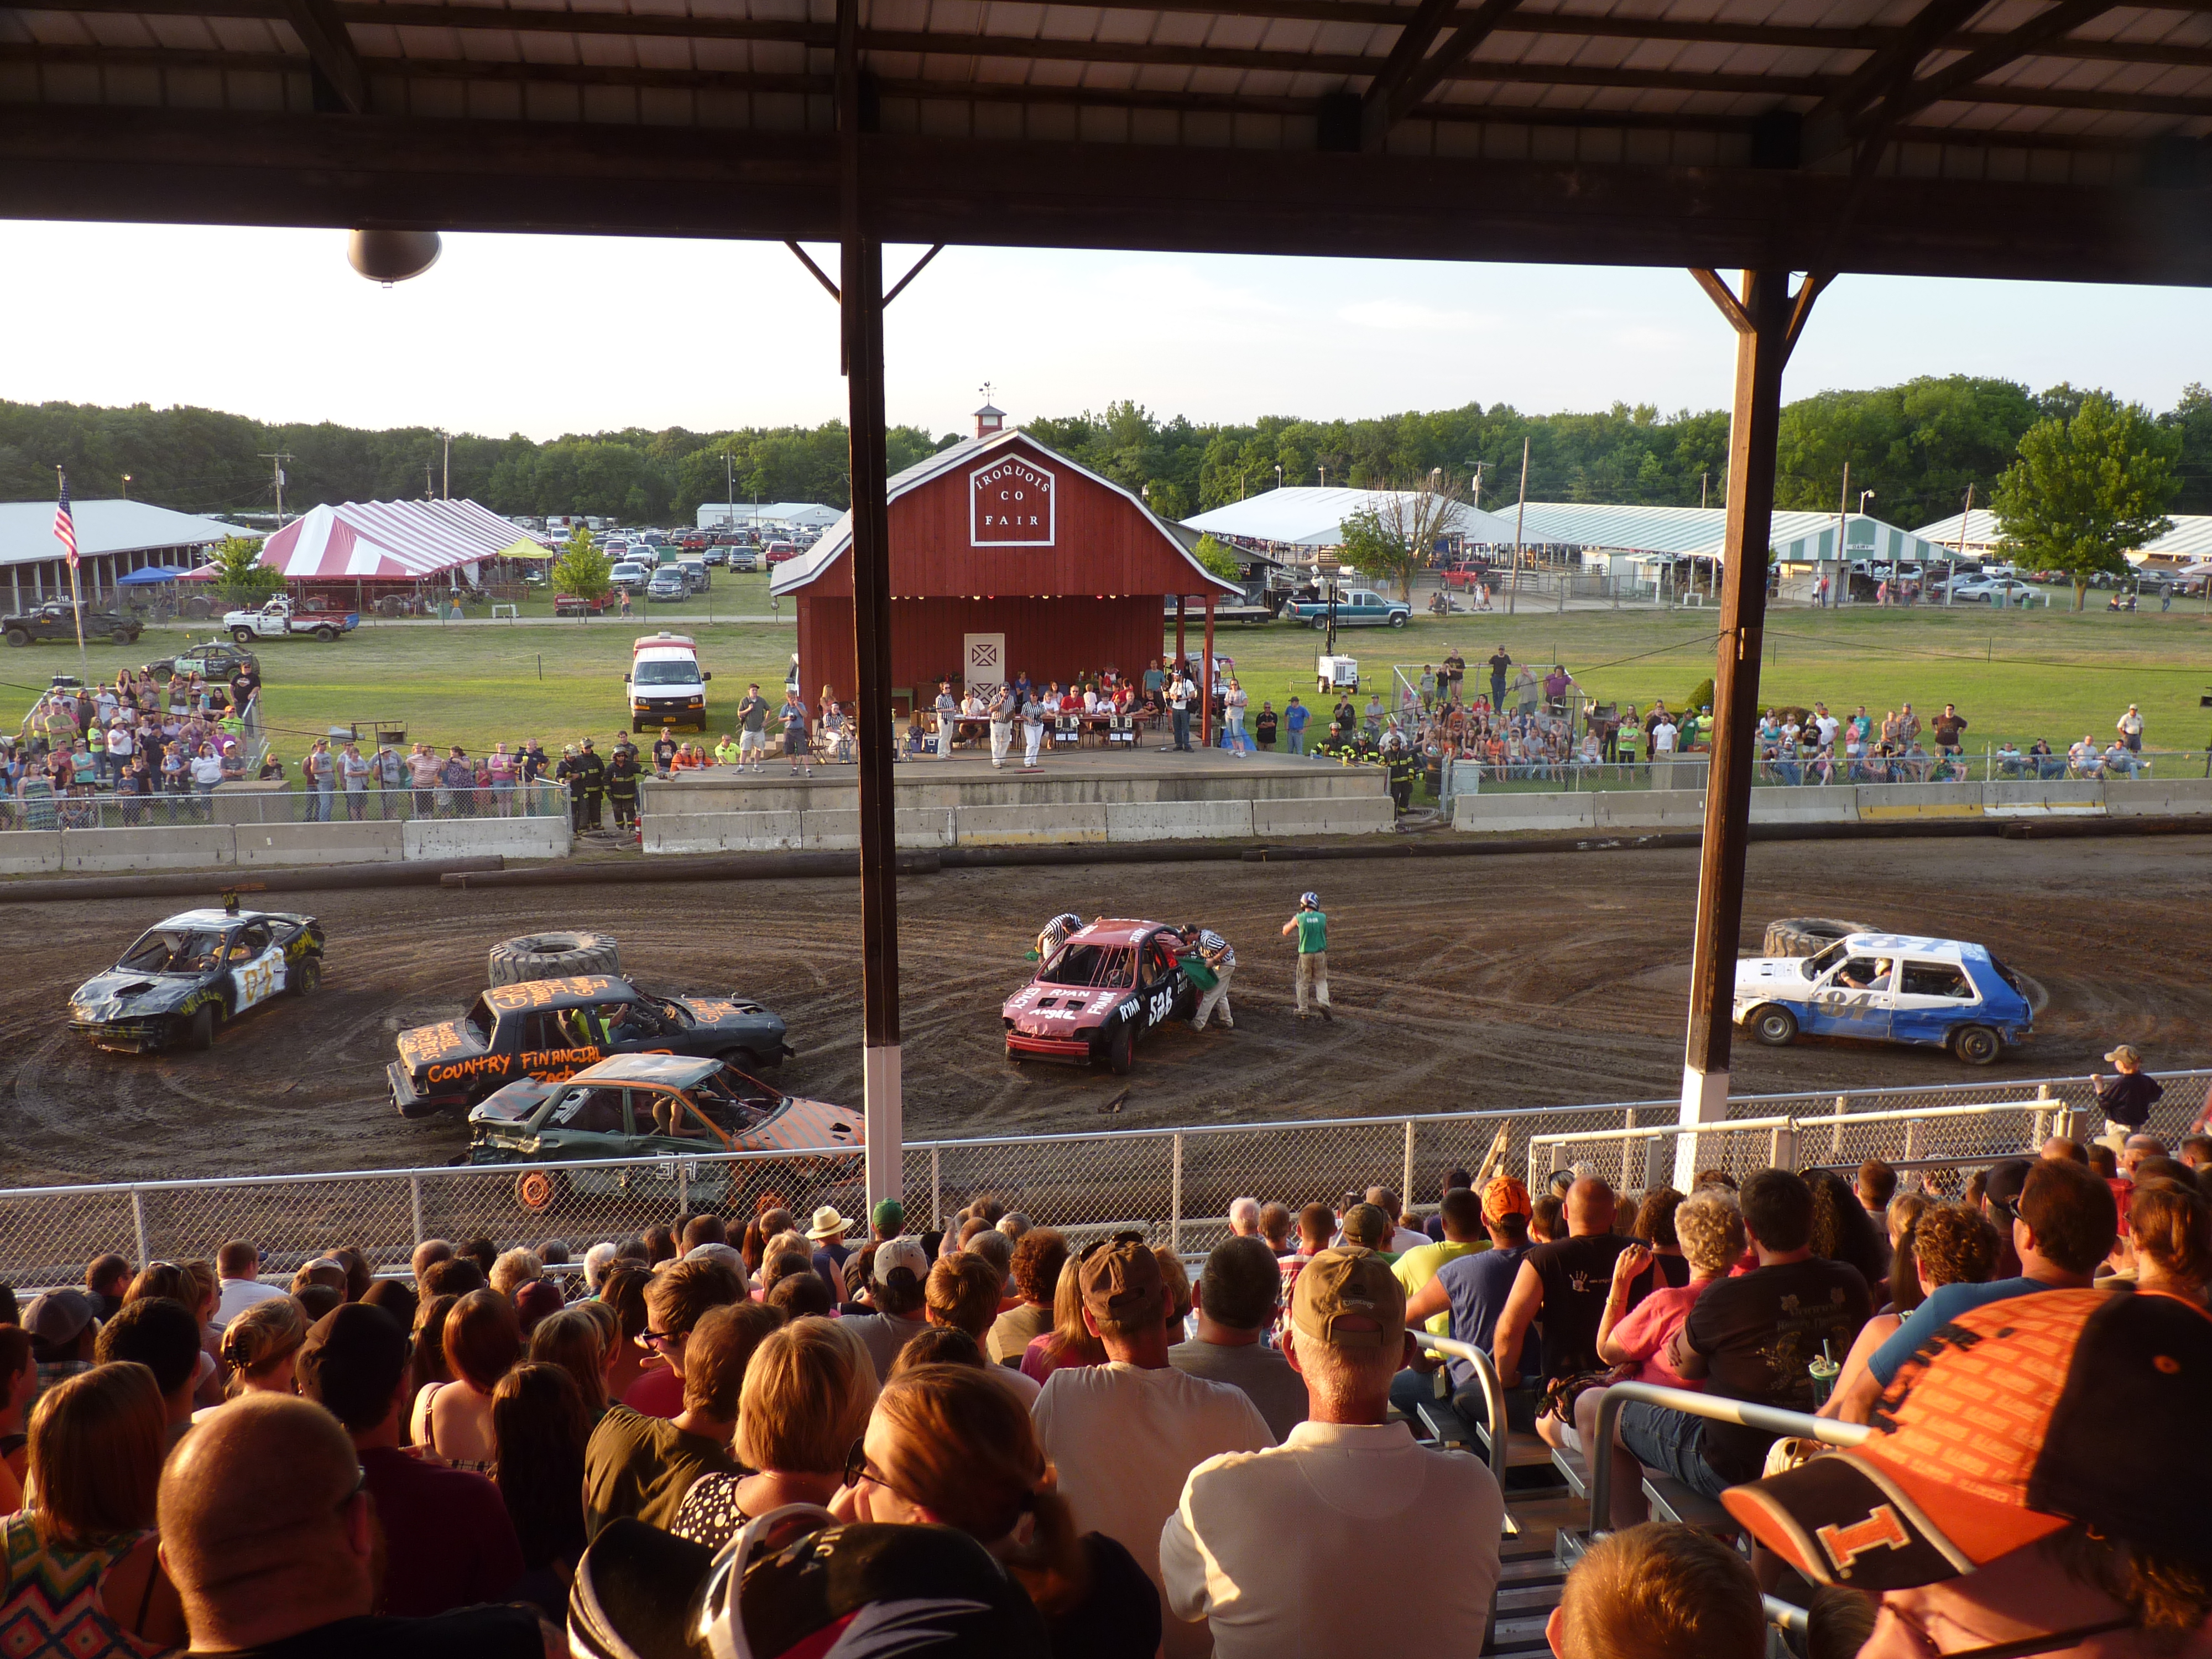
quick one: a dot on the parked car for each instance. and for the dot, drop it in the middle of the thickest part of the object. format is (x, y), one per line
(695, 572)
(568, 605)
(716, 554)
(778, 552)
(661, 1106)
(668, 586)
(1992, 591)
(631, 575)
(746, 558)
(56, 620)
(1887, 987)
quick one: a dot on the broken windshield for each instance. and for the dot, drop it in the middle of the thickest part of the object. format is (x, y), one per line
(173, 951)
(1111, 965)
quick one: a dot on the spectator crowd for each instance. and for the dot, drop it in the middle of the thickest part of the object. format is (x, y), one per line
(821, 1437)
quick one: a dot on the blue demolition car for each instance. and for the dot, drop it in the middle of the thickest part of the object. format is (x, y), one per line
(1887, 987)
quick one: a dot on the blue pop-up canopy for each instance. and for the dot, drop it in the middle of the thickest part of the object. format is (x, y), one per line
(149, 576)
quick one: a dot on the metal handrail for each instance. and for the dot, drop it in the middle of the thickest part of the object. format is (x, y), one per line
(1909, 1114)
(1494, 1392)
(1728, 1126)
(1745, 1412)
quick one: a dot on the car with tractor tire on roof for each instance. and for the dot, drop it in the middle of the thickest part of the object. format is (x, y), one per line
(1828, 979)
(184, 979)
(556, 1005)
(662, 1107)
(1106, 988)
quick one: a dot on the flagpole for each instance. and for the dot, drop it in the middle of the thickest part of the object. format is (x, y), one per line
(77, 592)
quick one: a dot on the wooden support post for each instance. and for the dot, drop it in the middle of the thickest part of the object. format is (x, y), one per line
(1180, 603)
(1763, 319)
(860, 310)
(1205, 683)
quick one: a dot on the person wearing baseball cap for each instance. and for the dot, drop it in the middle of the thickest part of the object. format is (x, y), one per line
(1125, 1434)
(64, 1325)
(2127, 1099)
(1263, 1545)
(886, 1221)
(2062, 1226)
(1473, 1290)
(897, 1272)
(1999, 1511)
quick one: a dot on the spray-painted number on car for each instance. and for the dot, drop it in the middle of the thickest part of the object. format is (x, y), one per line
(260, 979)
(1163, 999)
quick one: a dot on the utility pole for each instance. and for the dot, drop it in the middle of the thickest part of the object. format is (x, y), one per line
(276, 468)
(730, 474)
(126, 486)
(1520, 518)
(1843, 500)
(1703, 478)
(447, 491)
(1951, 577)
(1479, 466)
(429, 468)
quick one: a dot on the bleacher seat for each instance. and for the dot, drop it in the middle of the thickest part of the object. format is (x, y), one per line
(1671, 1500)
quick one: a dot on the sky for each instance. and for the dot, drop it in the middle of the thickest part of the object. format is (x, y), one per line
(550, 335)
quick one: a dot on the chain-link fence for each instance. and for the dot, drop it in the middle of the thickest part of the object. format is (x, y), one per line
(1175, 1184)
(248, 804)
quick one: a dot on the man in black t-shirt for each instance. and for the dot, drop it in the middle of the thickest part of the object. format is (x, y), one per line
(271, 1540)
(1753, 1338)
(1564, 1284)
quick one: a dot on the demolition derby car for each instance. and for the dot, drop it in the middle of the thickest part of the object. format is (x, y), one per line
(184, 977)
(1887, 987)
(658, 1106)
(1107, 987)
(551, 1029)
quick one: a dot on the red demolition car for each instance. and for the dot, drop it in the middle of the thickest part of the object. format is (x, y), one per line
(1109, 985)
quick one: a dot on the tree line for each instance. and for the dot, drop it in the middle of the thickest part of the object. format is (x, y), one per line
(1916, 445)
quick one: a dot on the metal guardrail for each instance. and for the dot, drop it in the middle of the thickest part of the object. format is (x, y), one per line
(1493, 1395)
(247, 805)
(1175, 1183)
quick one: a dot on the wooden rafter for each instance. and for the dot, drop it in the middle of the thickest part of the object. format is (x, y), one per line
(1960, 75)
(337, 64)
(1385, 98)
(1829, 125)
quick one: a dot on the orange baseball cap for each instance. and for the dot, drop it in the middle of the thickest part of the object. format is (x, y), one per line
(1506, 1196)
(1998, 1432)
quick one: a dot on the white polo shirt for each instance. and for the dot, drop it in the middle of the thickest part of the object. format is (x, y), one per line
(1345, 1540)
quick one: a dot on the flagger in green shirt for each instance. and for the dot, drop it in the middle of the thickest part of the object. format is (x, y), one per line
(1311, 927)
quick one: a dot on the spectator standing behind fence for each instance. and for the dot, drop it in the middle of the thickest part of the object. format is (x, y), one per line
(1751, 1338)
(1236, 1299)
(2126, 1100)
(1125, 1434)
(1268, 1545)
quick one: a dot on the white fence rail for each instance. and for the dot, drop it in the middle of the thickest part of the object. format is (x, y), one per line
(1176, 1183)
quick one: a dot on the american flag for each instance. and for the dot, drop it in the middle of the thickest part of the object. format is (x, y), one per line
(64, 526)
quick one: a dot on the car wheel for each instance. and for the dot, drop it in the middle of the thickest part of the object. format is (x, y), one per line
(551, 956)
(1774, 1025)
(199, 1030)
(305, 978)
(1808, 936)
(17, 637)
(242, 634)
(326, 635)
(1977, 1045)
(1321, 622)
(120, 636)
(1122, 1051)
(538, 1190)
(1397, 620)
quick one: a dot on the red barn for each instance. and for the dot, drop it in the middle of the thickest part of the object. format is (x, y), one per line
(1006, 559)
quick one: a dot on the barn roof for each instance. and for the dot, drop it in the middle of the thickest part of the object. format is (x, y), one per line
(795, 574)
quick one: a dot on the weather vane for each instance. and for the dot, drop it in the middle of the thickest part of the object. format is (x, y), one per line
(987, 391)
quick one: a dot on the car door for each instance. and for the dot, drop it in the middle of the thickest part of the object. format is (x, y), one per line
(1932, 998)
(1159, 983)
(1840, 1006)
(256, 966)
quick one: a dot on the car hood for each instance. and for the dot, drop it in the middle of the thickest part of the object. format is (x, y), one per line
(447, 1052)
(1772, 976)
(514, 1103)
(1057, 1010)
(121, 993)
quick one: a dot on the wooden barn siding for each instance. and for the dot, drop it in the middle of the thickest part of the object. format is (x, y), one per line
(1046, 638)
(1103, 544)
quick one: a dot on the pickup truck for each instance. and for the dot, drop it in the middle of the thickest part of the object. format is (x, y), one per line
(1360, 607)
(279, 620)
(56, 620)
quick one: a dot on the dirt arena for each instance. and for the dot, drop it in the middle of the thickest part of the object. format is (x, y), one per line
(1459, 984)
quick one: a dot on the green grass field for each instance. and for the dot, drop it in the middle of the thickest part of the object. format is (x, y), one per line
(2014, 674)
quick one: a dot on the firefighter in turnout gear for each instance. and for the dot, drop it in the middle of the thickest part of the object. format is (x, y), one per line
(565, 772)
(622, 773)
(592, 776)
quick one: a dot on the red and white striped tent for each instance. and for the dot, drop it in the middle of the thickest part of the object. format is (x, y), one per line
(392, 541)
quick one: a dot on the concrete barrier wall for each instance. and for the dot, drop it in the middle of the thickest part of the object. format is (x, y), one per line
(1185, 820)
(1826, 804)
(1030, 826)
(204, 846)
(1648, 809)
(1524, 814)
(1331, 816)
(319, 843)
(1921, 800)
(462, 838)
(2078, 798)
(2157, 798)
(30, 852)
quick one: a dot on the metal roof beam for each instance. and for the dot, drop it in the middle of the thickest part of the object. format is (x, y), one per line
(1410, 72)
(1828, 124)
(1958, 78)
(339, 76)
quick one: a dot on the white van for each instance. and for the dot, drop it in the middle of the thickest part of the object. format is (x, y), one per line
(666, 685)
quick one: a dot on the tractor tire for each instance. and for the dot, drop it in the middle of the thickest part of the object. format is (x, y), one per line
(551, 956)
(1977, 1045)
(1808, 936)
(1773, 1025)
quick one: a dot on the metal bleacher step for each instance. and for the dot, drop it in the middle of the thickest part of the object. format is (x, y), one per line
(1570, 1465)
(1529, 1584)
(1671, 1500)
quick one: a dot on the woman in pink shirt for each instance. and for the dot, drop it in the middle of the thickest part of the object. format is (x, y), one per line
(1710, 1229)
(501, 765)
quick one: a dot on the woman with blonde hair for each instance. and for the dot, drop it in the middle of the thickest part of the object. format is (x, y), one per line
(808, 1391)
(1069, 1342)
(79, 1570)
(947, 1446)
(261, 1347)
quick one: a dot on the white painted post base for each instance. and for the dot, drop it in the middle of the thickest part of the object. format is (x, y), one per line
(885, 1114)
(1705, 1100)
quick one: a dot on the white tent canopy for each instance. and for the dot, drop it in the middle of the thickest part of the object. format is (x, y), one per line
(392, 541)
(1702, 532)
(1309, 517)
(2190, 539)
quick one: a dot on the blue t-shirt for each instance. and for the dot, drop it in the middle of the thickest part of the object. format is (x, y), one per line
(1295, 717)
(1478, 1286)
(1945, 1304)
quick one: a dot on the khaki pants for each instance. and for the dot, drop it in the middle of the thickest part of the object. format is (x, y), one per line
(1217, 997)
(1313, 971)
(1002, 738)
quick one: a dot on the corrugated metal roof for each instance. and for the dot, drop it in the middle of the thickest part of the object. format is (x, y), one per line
(27, 530)
(2190, 538)
(1309, 516)
(1701, 532)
